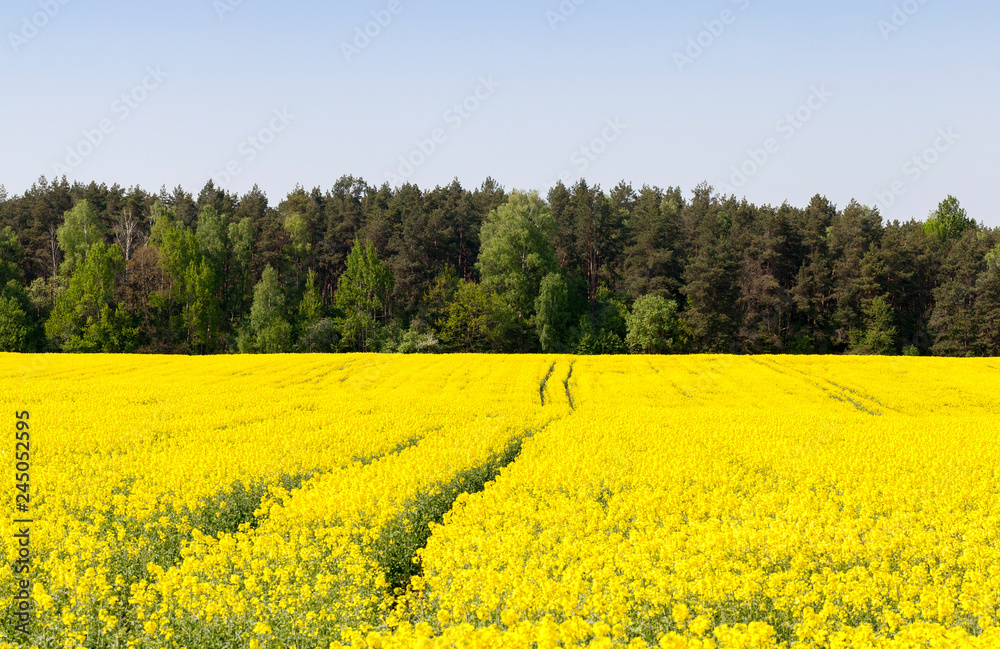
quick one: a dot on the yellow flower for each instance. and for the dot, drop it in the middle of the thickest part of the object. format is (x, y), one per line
(680, 614)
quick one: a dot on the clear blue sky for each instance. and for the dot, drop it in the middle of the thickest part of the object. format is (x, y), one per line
(550, 81)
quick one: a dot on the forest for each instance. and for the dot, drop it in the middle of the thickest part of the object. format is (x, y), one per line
(365, 268)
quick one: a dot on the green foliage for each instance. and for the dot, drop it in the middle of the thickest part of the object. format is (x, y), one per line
(419, 339)
(212, 235)
(84, 319)
(43, 293)
(272, 334)
(386, 338)
(552, 314)
(178, 248)
(651, 262)
(599, 341)
(268, 301)
(241, 237)
(299, 216)
(80, 230)
(603, 330)
(194, 263)
(239, 281)
(879, 335)
(11, 256)
(750, 279)
(653, 327)
(276, 338)
(993, 260)
(911, 350)
(298, 228)
(362, 297)
(987, 308)
(311, 306)
(611, 312)
(516, 251)
(14, 322)
(320, 337)
(712, 274)
(949, 221)
(476, 320)
(397, 545)
(244, 341)
(594, 225)
(801, 344)
(201, 310)
(441, 292)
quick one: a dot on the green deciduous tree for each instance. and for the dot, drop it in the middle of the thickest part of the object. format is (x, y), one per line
(476, 320)
(316, 333)
(439, 295)
(85, 318)
(80, 230)
(516, 251)
(949, 221)
(177, 245)
(300, 216)
(416, 341)
(271, 332)
(241, 240)
(212, 236)
(653, 326)
(202, 315)
(11, 256)
(194, 263)
(552, 314)
(14, 322)
(311, 306)
(362, 298)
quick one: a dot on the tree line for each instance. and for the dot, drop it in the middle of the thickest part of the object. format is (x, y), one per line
(358, 267)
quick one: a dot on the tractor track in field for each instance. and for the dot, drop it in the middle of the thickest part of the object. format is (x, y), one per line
(569, 395)
(402, 538)
(541, 386)
(838, 392)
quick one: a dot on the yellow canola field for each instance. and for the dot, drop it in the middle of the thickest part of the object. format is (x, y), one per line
(740, 502)
(646, 501)
(193, 501)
